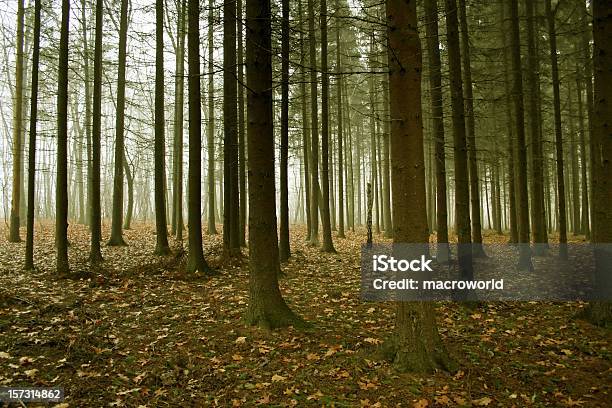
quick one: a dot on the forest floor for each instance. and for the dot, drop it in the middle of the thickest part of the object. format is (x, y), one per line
(139, 333)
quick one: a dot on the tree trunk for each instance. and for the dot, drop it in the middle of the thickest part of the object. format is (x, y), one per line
(415, 344)
(116, 238)
(95, 255)
(462, 193)
(584, 226)
(558, 131)
(521, 156)
(179, 92)
(386, 172)
(328, 245)
(161, 229)
(340, 124)
(284, 246)
(305, 124)
(195, 260)
(61, 198)
(129, 178)
(477, 249)
(29, 253)
(210, 130)
(231, 195)
(241, 141)
(17, 128)
(601, 312)
(314, 112)
(538, 214)
(435, 89)
(267, 307)
(510, 131)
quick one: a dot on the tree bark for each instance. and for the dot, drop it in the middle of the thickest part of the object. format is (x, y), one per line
(116, 238)
(284, 246)
(328, 245)
(477, 249)
(29, 252)
(558, 131)
(314, 129)
(195, 260)
(210, 130)
(415, 344)
(241, 141)
(521, 150)
(538, 214)
(267, 307)
(17, 128)
(437, 111)
(462, 193)
(61, 198)
(340, 123)
(231, 195)
(161, 229)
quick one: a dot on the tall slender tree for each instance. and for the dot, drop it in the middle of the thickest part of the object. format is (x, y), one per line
(116, 238)
(95, 255)
(17, 127)
(61, 198)
(179, 92)
(339, 120)
(460, 149)
(314, 128)
(29, 258)
(305, 122)
(231, 198)
(437, 111)
(328, 245)
(521, 150)
(210, 130)
(195, 260)
(241, 130)
(538, 214)
(161, 228)
(552, 38)
(415, 344)
(267, 307)
(477, 249)
(284, 247)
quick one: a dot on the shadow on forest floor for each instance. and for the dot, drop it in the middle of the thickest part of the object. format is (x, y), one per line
(139, 332)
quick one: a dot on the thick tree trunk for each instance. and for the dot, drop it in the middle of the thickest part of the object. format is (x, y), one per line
(17, 128)
(415, 344)
(462, 193)
(29, 252)
(267, 307)
(116, 238)
(61, 198)
(521, 150)
(601, 312)
(195, 260)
